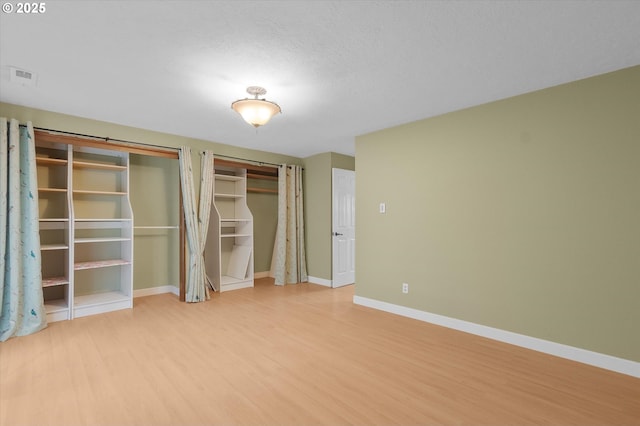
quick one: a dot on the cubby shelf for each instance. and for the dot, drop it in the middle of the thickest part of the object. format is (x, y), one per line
(54, 281)
(53, 247)
(51, 161)
(101, 240)
(221, 195)
(94, 264)
(91, 165)
(61, 190)
(91, 192)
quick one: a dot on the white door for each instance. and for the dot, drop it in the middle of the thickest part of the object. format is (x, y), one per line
(343, 233)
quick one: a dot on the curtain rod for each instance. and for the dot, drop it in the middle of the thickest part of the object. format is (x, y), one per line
(107, 139)
(259, 163)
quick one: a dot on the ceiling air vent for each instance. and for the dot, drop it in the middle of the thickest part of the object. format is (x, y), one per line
(23, 77)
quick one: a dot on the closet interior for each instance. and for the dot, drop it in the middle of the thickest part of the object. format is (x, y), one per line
(111, 223)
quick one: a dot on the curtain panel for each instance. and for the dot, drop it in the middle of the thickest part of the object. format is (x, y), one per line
(22, 309)
(196, 221)
(289, 253)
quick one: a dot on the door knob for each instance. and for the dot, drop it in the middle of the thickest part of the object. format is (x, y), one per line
(336, 234)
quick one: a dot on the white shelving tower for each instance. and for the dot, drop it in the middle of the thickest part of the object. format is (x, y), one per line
(86, 230)
(229, 249)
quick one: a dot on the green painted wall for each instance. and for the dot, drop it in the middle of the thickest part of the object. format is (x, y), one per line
(317, 189)
(154, 193)
(317, 214)
(264, 207)
(520, 214)
(144, 174)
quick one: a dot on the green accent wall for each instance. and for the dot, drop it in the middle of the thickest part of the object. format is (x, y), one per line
(521, 214)
(155, 195)
(264, 208)
(317, 192)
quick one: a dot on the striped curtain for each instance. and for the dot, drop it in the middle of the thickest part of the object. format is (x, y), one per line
(289, 252)
(196, 221)
(21, 300)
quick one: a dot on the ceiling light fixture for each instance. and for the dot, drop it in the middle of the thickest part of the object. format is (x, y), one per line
(256, 112)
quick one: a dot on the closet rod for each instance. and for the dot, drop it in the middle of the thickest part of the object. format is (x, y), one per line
(257, 163)
(107, 139)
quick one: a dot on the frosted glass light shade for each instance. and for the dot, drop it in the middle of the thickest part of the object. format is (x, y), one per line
(256, 112)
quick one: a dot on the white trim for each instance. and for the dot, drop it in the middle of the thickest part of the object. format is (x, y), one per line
(258, 275)
(156, 290)
(320, 281)
(584, 356)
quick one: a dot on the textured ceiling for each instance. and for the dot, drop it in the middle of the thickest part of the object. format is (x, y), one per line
(338, 69)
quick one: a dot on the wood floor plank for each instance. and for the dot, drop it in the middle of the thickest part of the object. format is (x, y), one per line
(293, 355)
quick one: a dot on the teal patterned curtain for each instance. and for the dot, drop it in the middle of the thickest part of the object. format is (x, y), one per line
(21, 302)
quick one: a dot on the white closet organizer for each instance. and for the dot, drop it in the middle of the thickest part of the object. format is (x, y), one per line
(86, 228)
(53, 204)
(102, 231)
(229, 249)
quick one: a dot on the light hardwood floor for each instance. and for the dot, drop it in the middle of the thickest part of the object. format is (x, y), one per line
(298, 355)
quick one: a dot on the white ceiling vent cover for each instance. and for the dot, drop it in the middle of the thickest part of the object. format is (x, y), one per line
(23, 77)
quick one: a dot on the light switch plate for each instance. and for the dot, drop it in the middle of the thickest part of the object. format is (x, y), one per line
(383, 208)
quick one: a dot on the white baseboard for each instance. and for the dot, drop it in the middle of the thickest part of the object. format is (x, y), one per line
(584, 356)
(264, 274)
(156, 290)
(320, 281)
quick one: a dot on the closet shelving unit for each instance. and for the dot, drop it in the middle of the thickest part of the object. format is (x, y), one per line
(54, 205)
(229, 249)
(86, 227)
(102, 231)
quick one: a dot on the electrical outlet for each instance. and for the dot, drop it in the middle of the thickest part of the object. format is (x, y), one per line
(405, 288)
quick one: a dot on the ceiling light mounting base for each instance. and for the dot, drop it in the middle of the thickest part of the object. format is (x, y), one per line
(256, 91)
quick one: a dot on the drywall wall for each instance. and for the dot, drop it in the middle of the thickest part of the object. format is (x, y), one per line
(520, 214)
(317, 191)
(154, 194)
(264, 208)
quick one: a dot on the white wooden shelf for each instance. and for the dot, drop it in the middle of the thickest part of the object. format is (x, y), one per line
(234, 235)
(78, 266)
(55, 305)
(54, 281)
(100, 240)
(99, 298)
(61, 190)
(230, 178)
(91, 192)
(91, 165)
(93, 219)
(46, 247)
(55, 219)
(51, 161)
(56, 309)
(230, 196)
(90, 304)
(156, 227)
